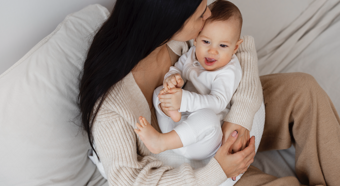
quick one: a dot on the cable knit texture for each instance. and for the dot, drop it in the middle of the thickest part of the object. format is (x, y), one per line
(248, 97)
(126, 159)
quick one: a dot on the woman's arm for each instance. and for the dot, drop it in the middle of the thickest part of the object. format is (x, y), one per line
(248, 96)
(117, 147)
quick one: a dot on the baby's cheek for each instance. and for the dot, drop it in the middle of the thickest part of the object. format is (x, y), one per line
(200, 54)
(225, 59)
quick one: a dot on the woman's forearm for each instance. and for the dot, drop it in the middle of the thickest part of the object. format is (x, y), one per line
(248, 96)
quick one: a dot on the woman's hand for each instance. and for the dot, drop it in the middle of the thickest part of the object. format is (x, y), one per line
(242, 139)
(237, 163)
(173, 81)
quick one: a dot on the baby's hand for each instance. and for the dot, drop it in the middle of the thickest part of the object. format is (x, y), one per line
(173, 81)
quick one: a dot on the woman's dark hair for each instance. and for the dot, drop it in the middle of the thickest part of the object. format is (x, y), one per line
(134, 29)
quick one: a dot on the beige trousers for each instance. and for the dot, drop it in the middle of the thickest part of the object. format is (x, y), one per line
(299, 112)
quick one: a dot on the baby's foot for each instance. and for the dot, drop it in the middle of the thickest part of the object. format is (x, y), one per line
(174, 115)
(150, 137)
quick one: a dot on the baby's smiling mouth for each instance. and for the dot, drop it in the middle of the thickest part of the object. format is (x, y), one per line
(209, 61)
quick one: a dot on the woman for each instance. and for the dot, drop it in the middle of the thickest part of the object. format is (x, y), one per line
(127, 61)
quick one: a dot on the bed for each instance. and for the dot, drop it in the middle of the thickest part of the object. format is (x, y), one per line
(290, 36)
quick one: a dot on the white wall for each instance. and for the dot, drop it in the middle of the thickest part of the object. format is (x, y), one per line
(25, 22)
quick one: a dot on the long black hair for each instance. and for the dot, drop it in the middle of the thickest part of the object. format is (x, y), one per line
(134, 29)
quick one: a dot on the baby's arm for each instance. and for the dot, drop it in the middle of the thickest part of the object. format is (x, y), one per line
(172, 81)
(223, 88)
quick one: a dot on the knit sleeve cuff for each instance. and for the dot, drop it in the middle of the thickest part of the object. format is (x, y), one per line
(211, 174)
(242, 114)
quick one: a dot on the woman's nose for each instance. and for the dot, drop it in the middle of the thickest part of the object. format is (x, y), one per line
(207, 14)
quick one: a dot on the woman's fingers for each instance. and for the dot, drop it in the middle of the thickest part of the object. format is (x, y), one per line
(237, 145)
(244, 143)
(251, 146)
(240, 144)
(230, 141)
(248, 152)
(250, 161)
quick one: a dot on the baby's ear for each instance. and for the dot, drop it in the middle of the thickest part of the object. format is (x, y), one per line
(238, 43)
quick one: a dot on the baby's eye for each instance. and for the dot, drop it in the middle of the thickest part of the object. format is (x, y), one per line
(223, 46)
(205, 41)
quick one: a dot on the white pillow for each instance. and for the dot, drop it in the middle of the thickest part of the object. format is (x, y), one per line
(264, 19)
(41, 141)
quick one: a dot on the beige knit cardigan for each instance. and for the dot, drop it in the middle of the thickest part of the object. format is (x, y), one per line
(126, 159)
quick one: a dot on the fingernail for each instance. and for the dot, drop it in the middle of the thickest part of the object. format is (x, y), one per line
(234, 133)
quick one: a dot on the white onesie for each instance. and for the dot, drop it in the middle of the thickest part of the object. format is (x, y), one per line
(205, 98)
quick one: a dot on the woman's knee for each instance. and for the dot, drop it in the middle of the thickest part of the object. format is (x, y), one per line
(290, 83)
(303, 80)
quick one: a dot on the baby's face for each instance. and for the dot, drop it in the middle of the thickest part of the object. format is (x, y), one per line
(217, 43)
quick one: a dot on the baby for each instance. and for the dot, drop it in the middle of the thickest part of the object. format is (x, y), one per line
(190, 119)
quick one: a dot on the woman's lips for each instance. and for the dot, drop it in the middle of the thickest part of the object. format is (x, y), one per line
(209, 61)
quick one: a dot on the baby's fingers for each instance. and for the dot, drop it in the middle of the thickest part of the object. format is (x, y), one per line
(179, 80)
(171, 85)
(165, 87)
(173, 81)
(163, 91)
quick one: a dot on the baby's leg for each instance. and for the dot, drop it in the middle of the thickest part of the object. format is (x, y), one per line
(157, 142)
(201, 135)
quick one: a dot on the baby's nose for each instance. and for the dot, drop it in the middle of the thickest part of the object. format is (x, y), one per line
(212, 51)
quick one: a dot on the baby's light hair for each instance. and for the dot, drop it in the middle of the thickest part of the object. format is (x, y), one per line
(222, 10)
